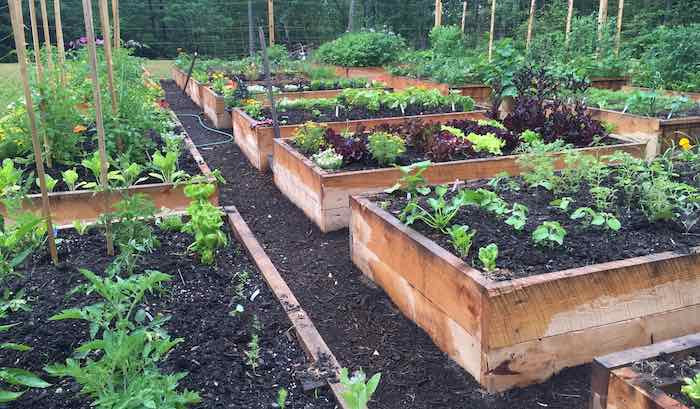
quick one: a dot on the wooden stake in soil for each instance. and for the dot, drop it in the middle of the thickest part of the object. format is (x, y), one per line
(569, 16)
(602, 20)
(104, 18)
(39, 76)
(97, 94)
(251, 34)
(464, 15)
(117, 24)
(20, 44)
(493, 26)
(47, 34)
(271, 20)
(618, 35)
(530, 23)
(59, 36)
(268, 83)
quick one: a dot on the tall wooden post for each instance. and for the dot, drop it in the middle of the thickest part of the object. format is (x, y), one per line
(530, 23)
(569, 16)
(602, 19)
(271, 20)
(20, 44)
(493, 26)
(464, 15)
(97, 94)
(351, 16)
(268, 84)
(47, 33)
(39, 75)
(117, 24)
(618, 36)
(104, 19)
(60, 45)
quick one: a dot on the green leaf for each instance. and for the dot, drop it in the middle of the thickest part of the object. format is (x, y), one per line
(4, 328)
(15, 347)
(614, 224)
(8, 396)
(16, 376)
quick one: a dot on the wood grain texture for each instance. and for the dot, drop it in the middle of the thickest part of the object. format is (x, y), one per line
(324, 196)
(611, 83)
(530, 328)
(629, 390)
(308, 336)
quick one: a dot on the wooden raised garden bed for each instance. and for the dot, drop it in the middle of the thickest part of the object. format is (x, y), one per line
(214, 107)
(618, 383)
(179, 76)
(612, 83)
(661, 134)
(194, 90)
(86, 205)
(478, 92)
(694, 96)
(370, 73)
(256, 139)
(522, 331)
(324, 195)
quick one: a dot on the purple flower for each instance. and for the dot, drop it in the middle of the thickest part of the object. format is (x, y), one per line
(99, 41)
(83, 40)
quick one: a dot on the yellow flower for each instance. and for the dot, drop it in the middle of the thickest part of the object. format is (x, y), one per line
(684, 143)
(250, 101)
(79, 129)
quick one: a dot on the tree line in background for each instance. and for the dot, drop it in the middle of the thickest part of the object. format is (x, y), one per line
(220, 28)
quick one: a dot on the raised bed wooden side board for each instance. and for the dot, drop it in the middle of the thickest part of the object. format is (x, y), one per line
(256, 139)
(616, 384)
(478, 92)
(518, 332)
(86, 205)
(694, 96)
(370, 73)
(660, 134)
(324, 196)
(612, 83)
(179, 76)
(214, 107)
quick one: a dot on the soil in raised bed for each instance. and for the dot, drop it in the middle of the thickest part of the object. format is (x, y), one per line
(299, 116)
(356, 319)
(186, 163)
(519, 256)
(199, 298)
(667, 372)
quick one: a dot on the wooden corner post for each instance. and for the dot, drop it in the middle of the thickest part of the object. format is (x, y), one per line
(97, 94)
(464, 15)
(20, 44)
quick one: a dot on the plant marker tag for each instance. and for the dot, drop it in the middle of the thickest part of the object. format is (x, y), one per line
(254, 295)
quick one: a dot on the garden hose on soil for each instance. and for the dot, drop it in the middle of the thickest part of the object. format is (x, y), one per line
(204, 145)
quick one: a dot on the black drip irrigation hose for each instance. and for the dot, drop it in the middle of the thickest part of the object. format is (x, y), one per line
(204, 145)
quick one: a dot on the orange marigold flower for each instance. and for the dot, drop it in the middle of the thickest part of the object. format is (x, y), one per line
(79, 128)
(684, 143)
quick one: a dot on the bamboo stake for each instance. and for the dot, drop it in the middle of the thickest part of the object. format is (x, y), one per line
(438, 13)
(271, 20)
(491, 32)
(104, 18)
(47, 33)
(117, 24)
(464, 15)
(59, 36)
(569, 16)
(39, 76)
(20, 44)
(97, 93)
(618, 36)
(602, 19)
(530, 23)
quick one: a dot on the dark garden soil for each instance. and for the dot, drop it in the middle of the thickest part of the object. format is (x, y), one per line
(668, 371)
(186, 163)
(199, 298)
(299, 116)
(519, 256)
(358, 321)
